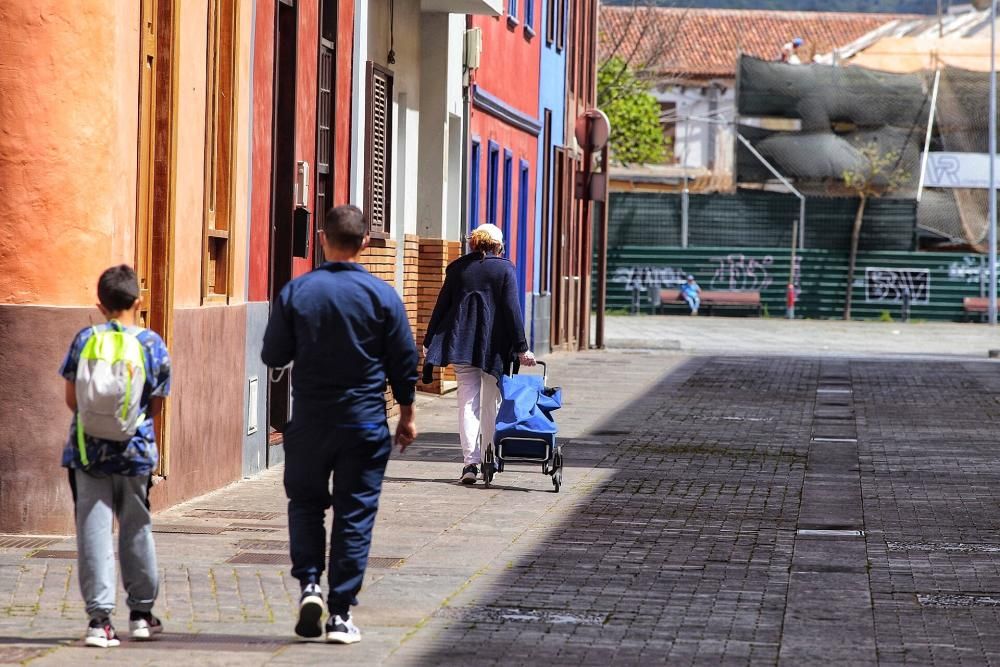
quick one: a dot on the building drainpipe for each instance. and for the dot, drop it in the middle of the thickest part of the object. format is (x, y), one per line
(464, 226)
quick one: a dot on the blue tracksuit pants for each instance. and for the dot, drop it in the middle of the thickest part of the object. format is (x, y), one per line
(355, 457)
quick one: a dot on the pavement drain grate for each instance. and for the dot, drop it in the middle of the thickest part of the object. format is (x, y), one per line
(249, 528)
(488, 614)
(952, 547)
(69, 554)
(262, 545)
(829, 532)
(233, 514)
(187, 530)
(384, 562)
(822, 439)
(257, 558)
(958, 600)
(22, 542)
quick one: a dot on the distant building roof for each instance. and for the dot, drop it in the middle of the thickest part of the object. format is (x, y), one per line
(705, 43)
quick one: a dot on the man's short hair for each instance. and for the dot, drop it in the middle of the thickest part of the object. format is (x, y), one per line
(118, 288)
(345, 227)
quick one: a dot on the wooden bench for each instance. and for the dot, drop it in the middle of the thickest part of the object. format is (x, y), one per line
(712, 299)
(976, 305)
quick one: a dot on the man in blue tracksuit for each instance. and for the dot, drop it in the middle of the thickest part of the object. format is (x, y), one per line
(347, 333)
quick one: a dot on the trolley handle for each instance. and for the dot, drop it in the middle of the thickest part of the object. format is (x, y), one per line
(545, 369)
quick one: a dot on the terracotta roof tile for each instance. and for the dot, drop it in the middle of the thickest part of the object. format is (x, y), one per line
(705, 43)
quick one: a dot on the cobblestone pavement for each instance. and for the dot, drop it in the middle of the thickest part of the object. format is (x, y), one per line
(718, 510)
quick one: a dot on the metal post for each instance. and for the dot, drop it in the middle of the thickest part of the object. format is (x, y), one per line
(784, 181)
(602, 257)
(684, 192)
(790, 296)
(993, 158)
(927, 137)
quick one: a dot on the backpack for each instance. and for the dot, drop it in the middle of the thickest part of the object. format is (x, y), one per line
(110, 378)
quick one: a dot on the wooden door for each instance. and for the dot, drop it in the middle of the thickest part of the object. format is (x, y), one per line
(146, 149)
(283, 182)
(155, 180)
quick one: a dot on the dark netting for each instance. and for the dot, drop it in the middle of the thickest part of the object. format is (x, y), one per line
(846, 115)
(644, 219)
(824, 95)
(961, 126)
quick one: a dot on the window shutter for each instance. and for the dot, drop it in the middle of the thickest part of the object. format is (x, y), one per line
(378, 154)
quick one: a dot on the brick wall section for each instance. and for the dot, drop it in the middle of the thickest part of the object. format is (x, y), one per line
(435, 255)
(380, 259)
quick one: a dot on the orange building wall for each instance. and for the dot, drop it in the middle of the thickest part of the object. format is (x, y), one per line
(67, 164)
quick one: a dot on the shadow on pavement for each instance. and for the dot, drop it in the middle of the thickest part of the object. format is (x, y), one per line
(681, 552)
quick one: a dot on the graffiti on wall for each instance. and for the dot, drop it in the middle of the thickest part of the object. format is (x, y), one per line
(648, 277)
(971, 270)
(890, 285)
(739, 273)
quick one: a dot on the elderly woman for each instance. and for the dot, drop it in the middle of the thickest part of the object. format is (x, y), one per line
(477, 326)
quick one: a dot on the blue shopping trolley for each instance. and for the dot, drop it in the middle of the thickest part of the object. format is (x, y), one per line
(526, 432)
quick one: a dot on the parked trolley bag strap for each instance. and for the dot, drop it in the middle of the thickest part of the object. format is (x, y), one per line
(109, 382)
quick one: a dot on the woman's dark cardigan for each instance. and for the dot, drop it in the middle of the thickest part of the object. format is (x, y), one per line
(477, 319)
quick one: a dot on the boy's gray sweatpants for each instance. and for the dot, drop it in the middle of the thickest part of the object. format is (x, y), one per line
(99, 499)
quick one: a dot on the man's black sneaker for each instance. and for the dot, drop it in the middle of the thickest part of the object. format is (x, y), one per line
(341, 630)
(469, 474)
(142, 625)
(310, 612)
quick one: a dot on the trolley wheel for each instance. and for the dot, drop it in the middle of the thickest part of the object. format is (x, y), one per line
(489, 467)
(557, 476)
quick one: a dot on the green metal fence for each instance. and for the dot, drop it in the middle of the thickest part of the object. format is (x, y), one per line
(936, 282)
(749, 219)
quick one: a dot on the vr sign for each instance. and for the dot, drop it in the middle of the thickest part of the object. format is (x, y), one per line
(959, 170)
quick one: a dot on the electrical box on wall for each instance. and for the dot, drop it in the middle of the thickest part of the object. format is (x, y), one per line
(300, 232)
(473, 47)
(302, 183)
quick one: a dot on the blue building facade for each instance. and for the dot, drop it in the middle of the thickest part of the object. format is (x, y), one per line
(552, 115)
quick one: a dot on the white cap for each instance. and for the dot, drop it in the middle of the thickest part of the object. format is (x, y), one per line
(492, 230)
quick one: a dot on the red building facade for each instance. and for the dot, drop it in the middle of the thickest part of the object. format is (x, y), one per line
(504, 129)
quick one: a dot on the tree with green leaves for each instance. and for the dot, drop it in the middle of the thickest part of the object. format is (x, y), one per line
(877, 173)
(636, 134)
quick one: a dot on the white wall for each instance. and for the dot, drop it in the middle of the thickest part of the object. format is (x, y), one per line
(406, 103)
(699, 143)
(439, 180)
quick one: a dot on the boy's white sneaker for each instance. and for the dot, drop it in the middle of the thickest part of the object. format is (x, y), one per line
(101, 634)
(143, 626)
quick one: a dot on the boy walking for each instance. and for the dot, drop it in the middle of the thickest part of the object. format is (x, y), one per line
(117, 375)
(346, 332)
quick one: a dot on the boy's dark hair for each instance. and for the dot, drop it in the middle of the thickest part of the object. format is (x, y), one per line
(118, 288)
(345, 227)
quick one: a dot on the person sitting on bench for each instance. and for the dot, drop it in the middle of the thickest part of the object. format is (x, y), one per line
(691, 292)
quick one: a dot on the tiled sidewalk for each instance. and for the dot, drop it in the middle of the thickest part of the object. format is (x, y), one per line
(717, 510)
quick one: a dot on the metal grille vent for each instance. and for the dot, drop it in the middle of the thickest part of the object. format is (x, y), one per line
(188, 530)
(262, 545)
(246, 515)
(248, 528)
(22, 542)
